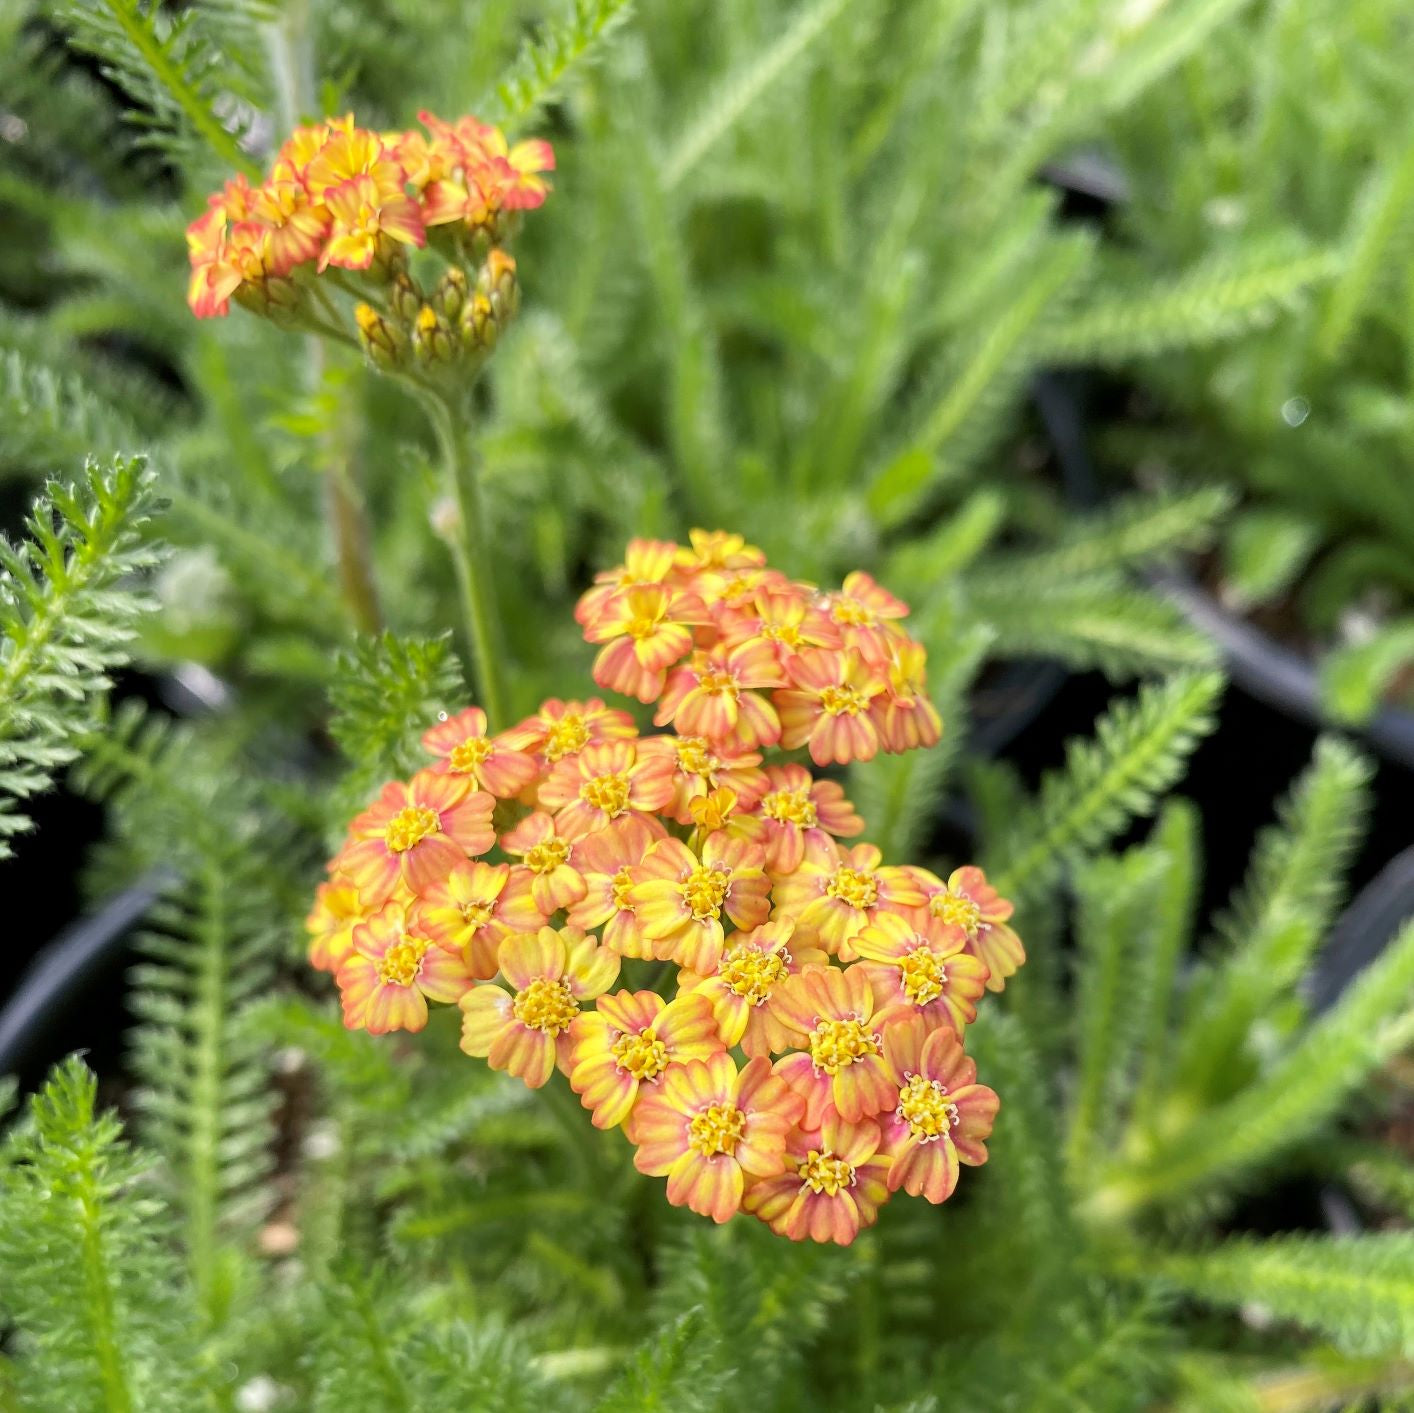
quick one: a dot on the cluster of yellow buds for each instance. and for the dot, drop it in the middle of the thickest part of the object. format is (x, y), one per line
(810, 1060)
(343, 197)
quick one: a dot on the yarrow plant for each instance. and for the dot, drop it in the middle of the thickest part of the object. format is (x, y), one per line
(810, 1061)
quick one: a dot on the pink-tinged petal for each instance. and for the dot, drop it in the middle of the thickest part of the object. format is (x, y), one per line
(590, 969)
(372, 869)
(688, 1027)
(486, 1011)
(526, 1053)
(430, 861)
(813, 1088)
(927, 1170)
(862, 1090)
(443, 976)
(711, 1187)
(528, 955)
(904, 1041)
(394, 1008)
(630, 1011)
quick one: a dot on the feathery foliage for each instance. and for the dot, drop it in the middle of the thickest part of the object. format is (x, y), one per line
(69, 596)
(1137, 752)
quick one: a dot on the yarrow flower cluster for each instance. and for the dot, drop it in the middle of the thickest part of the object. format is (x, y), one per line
(810, 1060)
(348, 204)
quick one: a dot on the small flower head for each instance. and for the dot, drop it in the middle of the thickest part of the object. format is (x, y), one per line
(708, 1127)
(473, 908)
(525, 1031)
(927, 973)
(606, 783)
(716, 694)
(839, 892)
(556, 881)
(680, 898)
(903, 716)
(465, 749)
(561, 729)
(625, 1046)
(645, 629)
(831, 1014)
(336, 912)
(968, 902)
(867, 615)
(798, 810)
(749, 972)
(828, 706)
(698, 766)
(416, 834)
(832, 1186)
(941, 1115)
(393, 971)
(608, 861)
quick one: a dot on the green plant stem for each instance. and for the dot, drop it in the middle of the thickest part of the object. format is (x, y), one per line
(343, 510)
(470, 558)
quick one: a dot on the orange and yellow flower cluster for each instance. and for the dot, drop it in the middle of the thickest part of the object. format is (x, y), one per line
(737, 654)
(810, 1059)
(345, 197)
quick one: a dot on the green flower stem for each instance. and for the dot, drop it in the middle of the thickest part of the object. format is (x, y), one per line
(470, 558)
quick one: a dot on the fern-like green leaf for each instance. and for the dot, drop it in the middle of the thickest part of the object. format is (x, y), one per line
(1138, 751)
(1097, 623)
(1221, 298)
(734, 94)
(1358, 1291)
(1290, 1102)
(170, 70)
(99, 1311)
(67, 605)
(539, 71)
(1295, 884)
(387, 692)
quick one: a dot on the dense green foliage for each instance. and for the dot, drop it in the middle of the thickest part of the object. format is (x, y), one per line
(1268, 160)
(794, 279)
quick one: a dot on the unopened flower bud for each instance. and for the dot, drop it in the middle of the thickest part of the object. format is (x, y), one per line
(383, 342)
(450, 296)
(497, 281)
(478, 325)
(390, 259)
(405, 298)
(432, 338)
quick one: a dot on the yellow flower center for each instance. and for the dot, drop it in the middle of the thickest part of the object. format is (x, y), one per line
(923, 1104)
(835, 1044)
(606, 792)
(409, 827)
(478, 911)
(644, 1056)
(548, 855)
(824, 1173)
(843, 701)
(467, 755)
(853, 887)
(621, 883)
(705, 891)
(716, 1129)
(923, 975)
(718, 684)
(790, 807)
(643, 626)
(545, 1005)
(568, 735)
(694, 758)
(852, 613)
(786, 633)
(956, 909)
(401, 963)
(753, 974)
